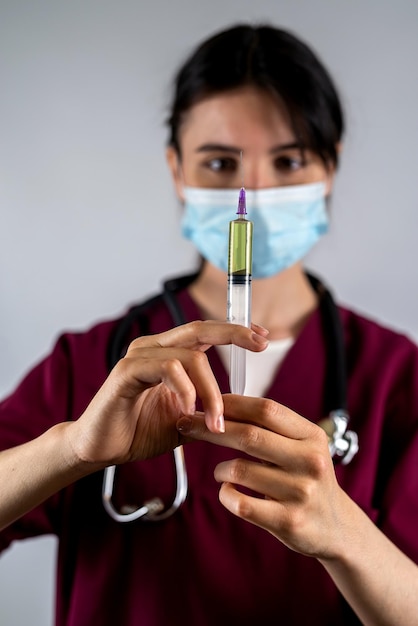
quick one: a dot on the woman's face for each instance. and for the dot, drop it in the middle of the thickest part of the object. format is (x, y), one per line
(247, 119)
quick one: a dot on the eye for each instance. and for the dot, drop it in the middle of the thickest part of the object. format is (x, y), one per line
(221, 164)
(289, 164)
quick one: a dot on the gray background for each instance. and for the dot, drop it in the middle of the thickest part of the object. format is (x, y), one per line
(89, 223)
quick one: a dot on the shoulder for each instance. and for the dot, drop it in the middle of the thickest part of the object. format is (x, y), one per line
(361, 329)
(135, 317)
(377, 351)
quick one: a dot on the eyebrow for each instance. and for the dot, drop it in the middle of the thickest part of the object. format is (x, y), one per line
(294, 145)
(220, 147)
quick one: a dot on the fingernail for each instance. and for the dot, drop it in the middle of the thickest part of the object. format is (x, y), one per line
(184, 425)
(220, 424)
(261, 328)
(259, 339)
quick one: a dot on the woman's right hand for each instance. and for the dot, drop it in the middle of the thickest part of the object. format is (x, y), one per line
(134, 414)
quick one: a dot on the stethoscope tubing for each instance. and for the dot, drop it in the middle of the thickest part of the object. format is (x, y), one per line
(343, 444)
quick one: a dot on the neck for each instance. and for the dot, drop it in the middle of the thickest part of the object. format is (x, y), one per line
(281, 303)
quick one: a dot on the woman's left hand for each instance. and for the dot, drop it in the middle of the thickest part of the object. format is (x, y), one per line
(303, 505)
(305, 508)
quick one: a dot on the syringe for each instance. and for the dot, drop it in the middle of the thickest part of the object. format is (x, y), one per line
(239, 288)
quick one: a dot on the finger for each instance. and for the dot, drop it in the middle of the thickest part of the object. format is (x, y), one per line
(265, 479)
(247, 438)
(268, 414)
(200, 335)
(172, 366)
(198, 368)
(260, 330)
(131, 376)
(267, 514)
(306, 455)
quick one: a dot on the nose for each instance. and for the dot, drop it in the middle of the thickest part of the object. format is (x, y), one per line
(257, 176)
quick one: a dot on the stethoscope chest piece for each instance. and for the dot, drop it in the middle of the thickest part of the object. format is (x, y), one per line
(342, 443)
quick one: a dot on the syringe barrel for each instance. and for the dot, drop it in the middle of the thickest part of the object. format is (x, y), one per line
(239, 294)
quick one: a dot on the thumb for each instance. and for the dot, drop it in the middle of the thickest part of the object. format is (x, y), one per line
(192, 427)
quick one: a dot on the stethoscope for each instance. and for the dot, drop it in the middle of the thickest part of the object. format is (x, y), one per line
(342, 443)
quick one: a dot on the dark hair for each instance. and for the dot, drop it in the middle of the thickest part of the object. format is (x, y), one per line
(274, 60)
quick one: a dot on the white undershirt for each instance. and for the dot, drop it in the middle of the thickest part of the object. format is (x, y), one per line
(261, 366)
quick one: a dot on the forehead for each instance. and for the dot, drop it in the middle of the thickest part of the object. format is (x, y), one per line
(237, 117)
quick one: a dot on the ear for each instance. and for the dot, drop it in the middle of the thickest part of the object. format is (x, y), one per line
(331, 171)
(329, 181)
(174, 165)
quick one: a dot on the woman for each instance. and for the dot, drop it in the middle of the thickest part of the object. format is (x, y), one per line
(259, 91)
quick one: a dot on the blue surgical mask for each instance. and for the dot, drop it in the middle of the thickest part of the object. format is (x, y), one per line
(288, 221)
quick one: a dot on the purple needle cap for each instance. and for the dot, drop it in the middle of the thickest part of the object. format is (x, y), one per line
(242, 208)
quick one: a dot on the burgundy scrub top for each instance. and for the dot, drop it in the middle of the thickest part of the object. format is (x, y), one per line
(203, 566)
